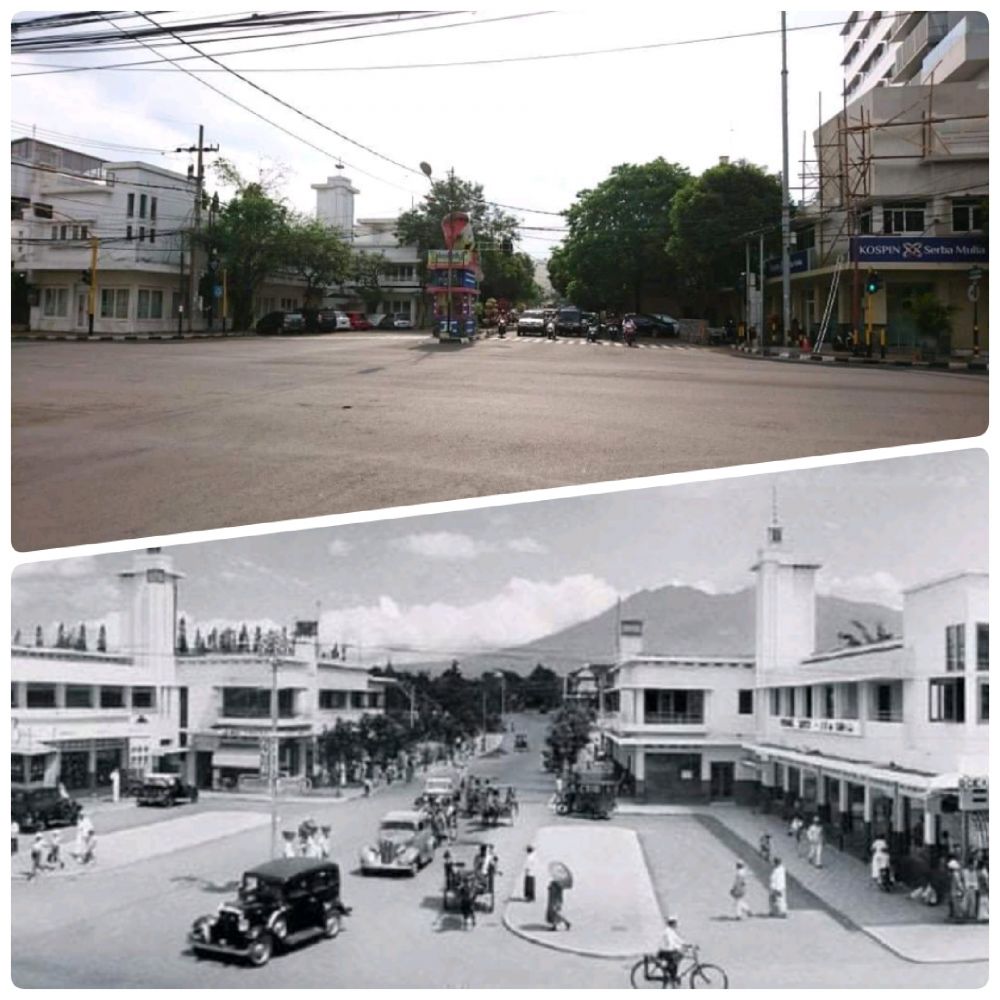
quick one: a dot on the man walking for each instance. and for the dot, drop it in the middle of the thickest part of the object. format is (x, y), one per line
(530, 869)
(778, 888)
(739, 892)
(814, 835)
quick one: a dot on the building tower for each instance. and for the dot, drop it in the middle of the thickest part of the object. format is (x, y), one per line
(785, 604)
(335, 204)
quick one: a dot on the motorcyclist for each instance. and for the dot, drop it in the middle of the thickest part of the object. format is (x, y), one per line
(502, 326)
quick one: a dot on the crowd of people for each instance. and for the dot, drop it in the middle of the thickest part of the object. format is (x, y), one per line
(48, 852)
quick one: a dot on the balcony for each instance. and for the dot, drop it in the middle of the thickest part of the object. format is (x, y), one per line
(927, 32)
(961, 55)
(674, 719)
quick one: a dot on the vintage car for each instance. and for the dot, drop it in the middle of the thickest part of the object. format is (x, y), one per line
(439, 789)
(39, 808)
(280, 904)
(520, 741)
(405, 844)
(165, 790)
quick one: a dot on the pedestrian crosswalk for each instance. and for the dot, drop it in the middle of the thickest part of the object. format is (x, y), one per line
(580, 342)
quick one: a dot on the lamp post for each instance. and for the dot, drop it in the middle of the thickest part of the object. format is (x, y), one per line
(273, 646)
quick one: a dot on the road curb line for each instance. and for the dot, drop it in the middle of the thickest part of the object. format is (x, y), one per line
(553, 946)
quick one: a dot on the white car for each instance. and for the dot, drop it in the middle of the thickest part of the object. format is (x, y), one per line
(401, 321)
(530, 323)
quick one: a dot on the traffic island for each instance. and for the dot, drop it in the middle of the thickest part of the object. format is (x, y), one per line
(611, 906)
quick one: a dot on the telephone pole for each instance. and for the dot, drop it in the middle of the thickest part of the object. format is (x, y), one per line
(786, 213)
(200, 149)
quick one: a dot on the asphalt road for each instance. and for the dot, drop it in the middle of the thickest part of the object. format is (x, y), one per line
(126, 928)
(126, 440)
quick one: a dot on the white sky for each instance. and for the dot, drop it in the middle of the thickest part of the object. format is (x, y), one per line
(532, 133)
(494, 577)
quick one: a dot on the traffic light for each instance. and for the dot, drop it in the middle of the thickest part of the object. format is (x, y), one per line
(873, 282)
(85, 276)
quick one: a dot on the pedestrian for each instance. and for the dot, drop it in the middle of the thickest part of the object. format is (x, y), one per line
(84, 824)
(983, 891)
(550, 333)
(880, 861)
(15, 832)
(37, 857)
(530, 870)
(956, 890)
(778, 890)
(467, 902)
(795, 830)
(739, 892)
(324, 842)
(628, 331)
(54, 857)
(814, 835)
(553, 909)
(87, 853)
(289, 849)
(764, 846)
(367, 784)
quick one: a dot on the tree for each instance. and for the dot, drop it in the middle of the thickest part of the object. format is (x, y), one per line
(80, 644)
(39, 636)
(569, 733)
(61, 642)
(257, 639)
(932, 318)
(102, 640)
(317, 254)
(505, 275)
(251, 237)
(366, 273)
(243, 641)
(712, 217)
(200, 646)
(17, 637)
(616, 250)
(182, 642)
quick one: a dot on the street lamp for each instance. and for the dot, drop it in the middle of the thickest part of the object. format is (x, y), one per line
(273, 646)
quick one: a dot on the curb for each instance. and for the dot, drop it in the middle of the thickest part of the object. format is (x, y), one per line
(919, 961)
(964, 367)
(570, 949)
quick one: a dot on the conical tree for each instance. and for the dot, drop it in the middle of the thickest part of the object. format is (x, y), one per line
(39, 636)
(243, 642)
(102, 640)
(182, 640)
(81, 639)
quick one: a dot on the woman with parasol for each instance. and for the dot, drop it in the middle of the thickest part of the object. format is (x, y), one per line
(561, 879)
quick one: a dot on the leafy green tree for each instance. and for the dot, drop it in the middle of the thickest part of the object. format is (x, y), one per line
(616, 249)
(250, 235)
(366, 274)
(317, 254)
(569, 733)
(932, 318)
(712, 217)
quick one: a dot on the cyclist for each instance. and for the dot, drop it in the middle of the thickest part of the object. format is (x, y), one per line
(672, 947)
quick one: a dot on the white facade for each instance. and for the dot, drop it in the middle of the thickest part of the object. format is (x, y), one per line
(77, 716)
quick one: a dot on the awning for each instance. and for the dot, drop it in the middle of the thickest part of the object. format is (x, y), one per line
(31, 751)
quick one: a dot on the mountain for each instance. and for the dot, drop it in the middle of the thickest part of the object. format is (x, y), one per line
(677, 621)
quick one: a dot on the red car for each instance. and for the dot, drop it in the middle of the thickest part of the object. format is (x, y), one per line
(358, 321)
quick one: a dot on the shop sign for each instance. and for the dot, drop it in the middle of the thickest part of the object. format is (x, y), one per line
(797, 263)
(841, 727)
(919, 249)
(456, 258)
(973, 793)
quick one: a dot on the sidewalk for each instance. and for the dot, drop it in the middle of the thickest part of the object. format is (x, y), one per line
(611, 917)
(777, 353)
(911, 930)
(140, 843)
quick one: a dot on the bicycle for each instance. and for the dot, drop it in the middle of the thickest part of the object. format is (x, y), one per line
(650, 972)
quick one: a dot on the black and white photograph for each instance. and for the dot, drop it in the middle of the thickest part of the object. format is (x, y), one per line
(718, 734)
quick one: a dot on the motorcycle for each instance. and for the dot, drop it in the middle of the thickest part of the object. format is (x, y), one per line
(501, 329)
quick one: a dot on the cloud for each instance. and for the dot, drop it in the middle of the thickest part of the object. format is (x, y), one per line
(445, 545)
(527, 546)
(522, 611)
(338, 547)
(878, 588)
(59, 569)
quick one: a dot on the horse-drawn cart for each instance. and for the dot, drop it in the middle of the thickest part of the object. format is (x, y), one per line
(463, 881)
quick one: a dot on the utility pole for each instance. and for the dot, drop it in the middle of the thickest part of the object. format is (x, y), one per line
(92, 290)
(786, 213)
(200, 149)
(762, 336)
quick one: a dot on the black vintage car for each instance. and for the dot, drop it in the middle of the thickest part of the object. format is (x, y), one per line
(39, 808)
(280, 904)
(165, 790)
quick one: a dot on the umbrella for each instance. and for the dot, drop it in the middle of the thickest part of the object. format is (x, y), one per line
(561, 874)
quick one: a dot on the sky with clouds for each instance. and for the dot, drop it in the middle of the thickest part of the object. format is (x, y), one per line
(494, 577)
(533, 133)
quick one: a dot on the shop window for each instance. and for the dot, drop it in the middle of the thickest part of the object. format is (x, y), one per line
(112, 697)
(36, 770)
(114, 303)
(954, 636)
(150, 304)
(330, 699)
(79, 696)
(947, 699)
(982, 646)
(886, 702)
(246, 703)
(984, 701)
(746, 701)
(40, 696)
(359, 699)
(55, 302)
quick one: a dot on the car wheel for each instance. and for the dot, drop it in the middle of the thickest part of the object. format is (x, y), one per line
(332, 925)
(261, 951)
(280, 929)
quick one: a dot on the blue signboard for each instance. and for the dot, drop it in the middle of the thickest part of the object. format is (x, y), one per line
(920, 249)
(797, 262)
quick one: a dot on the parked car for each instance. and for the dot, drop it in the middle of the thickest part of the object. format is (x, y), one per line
(439, 789)
(520, 741)
(405, 844)
(531, 323)
(280, 904)
(39, 808)
(165, 790)
(402, 321)
(358, 321)
(670, 321)
(281, 322)
(325, 320)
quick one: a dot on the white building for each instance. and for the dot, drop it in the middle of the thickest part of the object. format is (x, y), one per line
(77, 716)
(888, 738)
